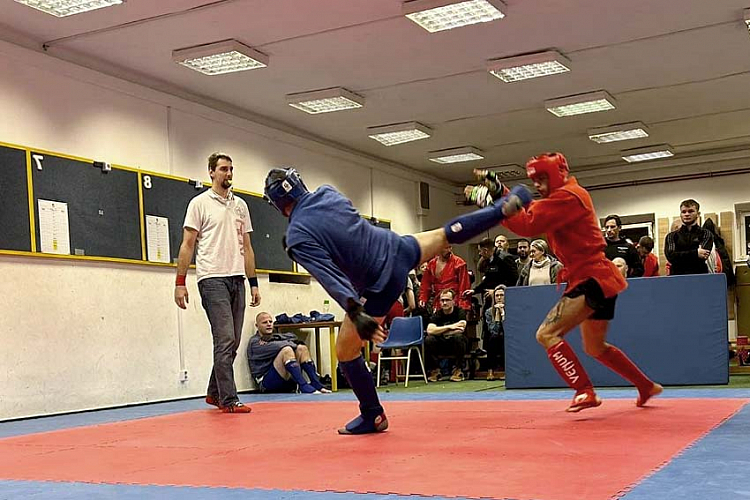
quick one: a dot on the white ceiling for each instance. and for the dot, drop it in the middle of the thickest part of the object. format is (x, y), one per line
(680, 66)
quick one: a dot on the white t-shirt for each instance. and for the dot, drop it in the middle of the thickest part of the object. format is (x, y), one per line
(221, 224)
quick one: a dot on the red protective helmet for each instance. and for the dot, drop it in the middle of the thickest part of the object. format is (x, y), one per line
(553, 164)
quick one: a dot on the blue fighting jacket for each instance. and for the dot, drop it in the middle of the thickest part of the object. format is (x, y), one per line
(344, 252)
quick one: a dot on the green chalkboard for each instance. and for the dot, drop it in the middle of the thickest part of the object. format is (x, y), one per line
(269, 227)
(103, 207)
(15, 233)
(168, 197)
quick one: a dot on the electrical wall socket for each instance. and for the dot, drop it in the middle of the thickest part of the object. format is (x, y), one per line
(183, 375)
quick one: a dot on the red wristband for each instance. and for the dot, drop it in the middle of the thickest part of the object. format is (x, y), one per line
(180, 280)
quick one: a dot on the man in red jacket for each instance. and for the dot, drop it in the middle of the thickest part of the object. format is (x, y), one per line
(566, 214)
(446, 271)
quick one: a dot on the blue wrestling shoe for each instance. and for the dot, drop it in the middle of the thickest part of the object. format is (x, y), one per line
(360, 425)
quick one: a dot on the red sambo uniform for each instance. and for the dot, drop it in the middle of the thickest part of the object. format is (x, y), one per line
(567, 217)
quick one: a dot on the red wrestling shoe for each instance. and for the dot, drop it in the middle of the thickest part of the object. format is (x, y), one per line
(644, 396)
(583, 400)
(213, 402)
(236, 407)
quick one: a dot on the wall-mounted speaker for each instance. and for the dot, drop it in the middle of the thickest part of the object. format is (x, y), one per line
(424, 198)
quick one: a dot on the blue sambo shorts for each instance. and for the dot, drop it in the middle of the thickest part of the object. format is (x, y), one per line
(406, 258)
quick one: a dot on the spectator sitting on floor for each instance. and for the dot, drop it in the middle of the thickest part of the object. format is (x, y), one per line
(542, 268)
(445, 336)
(277, 360)
(650, 261)
(493, 337)
(621, 265)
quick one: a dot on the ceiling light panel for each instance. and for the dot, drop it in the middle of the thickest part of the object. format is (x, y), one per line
(456, 155)
(580, 104)
(219, 58)
(623, 132)
(514, 69)
(439, 15)
(647, 153)
(325, 101)
(63, 8)
(390, 135)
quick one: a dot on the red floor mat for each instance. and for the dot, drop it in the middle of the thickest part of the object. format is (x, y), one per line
(498, 449)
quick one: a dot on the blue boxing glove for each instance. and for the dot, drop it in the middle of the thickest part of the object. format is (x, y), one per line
(518, 198)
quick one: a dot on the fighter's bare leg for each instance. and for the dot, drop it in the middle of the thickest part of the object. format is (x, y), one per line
(287, 366)
(302, 353)
(563, 317)
(285, 355)
(594, 334)
(430, 243)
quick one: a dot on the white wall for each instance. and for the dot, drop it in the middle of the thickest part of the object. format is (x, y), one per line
(78, 335)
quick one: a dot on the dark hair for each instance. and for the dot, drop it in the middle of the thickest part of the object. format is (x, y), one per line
(691, 203)
(646, 242)
(521, 240)
(615, 218)
(214, 159)
(448, 290)
(486, 243)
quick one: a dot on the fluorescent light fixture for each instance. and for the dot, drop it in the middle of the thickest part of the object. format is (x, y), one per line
(439, 15)
(62, 8)
(623, 132)
(325, 101)
(390, 135)
(747, 19)
(580, 104)
(514, 69)
(222, 57)
(647, 153)
(456, 155)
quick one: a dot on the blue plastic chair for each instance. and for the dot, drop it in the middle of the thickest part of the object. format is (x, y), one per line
(405, 333)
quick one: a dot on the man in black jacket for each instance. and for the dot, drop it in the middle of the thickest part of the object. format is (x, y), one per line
(620, 247)
(688, 248)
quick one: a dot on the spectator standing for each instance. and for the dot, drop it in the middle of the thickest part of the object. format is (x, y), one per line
(542, 268)
(620, 247)
(446, 271)
(688, 248)
(650, 261)
(523, 250)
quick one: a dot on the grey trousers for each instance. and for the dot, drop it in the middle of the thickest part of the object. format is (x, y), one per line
(224, 302)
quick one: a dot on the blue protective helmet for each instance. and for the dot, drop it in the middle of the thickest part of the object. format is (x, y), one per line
(284, 187)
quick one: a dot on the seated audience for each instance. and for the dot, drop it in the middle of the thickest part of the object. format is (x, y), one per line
(277, 360)
(542, 268)
(620, 247)
(493, 337)
(688, 248)
(445, 337)
(650, 261)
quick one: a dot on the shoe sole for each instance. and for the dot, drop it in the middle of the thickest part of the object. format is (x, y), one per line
(655, 391)
(577, 408)
(381, 427)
